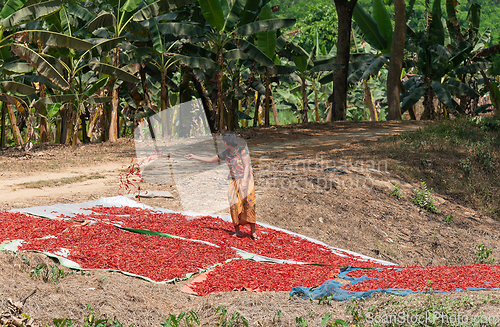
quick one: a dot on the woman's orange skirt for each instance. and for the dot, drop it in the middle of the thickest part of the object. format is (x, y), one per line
(242, 204)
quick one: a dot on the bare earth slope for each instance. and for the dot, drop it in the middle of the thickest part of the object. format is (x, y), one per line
(353, 211)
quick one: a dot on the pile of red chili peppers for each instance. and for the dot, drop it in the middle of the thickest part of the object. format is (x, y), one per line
(104, 246)
(273, 244)
(439, 278)
(17, 225)
(100, 243)
(262, 276)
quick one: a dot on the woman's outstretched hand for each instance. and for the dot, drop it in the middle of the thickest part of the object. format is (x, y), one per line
(189, 156)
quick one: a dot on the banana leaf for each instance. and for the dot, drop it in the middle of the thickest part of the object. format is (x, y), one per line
(369, 27)
(412, 97)
(52, 99)
(103, 20)
(96, 86)
(159, 7)
(10, 7)
(198, 62)
(483, 108)
(472, 68)
(250, 12)
(213, 12)
(384, 22)
(444, 95)
(41, 65)
(458, 88)
(16, 68)
(18, 87)
(266, 41)
(199, 51)
(181, 29)
(263, 26)
(113, 71)
(30, 13)
(254, 52)
(278, 70)
(242, 115)
(130, 5)
(52, 39)
(237, 9)
(235, 55)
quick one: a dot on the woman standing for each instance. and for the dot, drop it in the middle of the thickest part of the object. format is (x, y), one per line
(241, 192)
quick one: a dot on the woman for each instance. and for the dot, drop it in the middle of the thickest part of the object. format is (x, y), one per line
(241, 192)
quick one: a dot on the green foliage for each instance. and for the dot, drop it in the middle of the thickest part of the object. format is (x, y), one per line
(301, 322)
(48, 273)
(191, 318)
(92, 320)
(428, 306)
(423, 198)
(356, 311)
(336, 322)
(466, 165)
(318, 20)
(483, 255)
(396, 192)
(237, 319)
(448, 219)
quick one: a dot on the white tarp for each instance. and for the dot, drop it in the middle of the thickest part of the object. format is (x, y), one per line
(71, 209)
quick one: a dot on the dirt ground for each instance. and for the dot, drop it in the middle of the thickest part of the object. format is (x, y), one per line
(352, 211)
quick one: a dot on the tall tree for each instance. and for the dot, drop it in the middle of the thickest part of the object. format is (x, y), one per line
(396, 63)
(345, 10)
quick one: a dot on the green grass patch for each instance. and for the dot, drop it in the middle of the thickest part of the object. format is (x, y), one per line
(60, 181)
(457, 158)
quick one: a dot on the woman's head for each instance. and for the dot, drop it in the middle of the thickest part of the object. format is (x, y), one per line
(230, 138)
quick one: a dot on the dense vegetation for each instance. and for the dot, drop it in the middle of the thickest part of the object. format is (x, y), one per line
(302, 10)
(87, 71)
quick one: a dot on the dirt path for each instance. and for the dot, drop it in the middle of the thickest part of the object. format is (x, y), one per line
(23, 188)
(340, 213)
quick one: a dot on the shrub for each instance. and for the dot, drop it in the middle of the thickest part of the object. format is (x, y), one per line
(423, 199)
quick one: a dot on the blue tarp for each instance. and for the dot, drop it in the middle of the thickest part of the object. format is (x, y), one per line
(332, 288)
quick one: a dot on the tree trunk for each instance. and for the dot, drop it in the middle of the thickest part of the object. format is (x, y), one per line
(411, 111)
(256, 114)
(2, 133)
(164, 104)
(369, 102)
(113, 124)
(331, 101)
(92, 121)
(13, 124)
(220, 94)
(396, 62)
(429, 111)
(268, 98)
(44, 127)
(316, 104)
(493, 96)
(344, 15)
(275, 112)
(204, 100)
(235, 104)
(305, 104)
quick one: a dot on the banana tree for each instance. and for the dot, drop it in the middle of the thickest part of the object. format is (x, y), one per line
(378, 32)
(75, 77)
(165, 34)
(13, 14)
(227, 45)
(442, 63)
(119, 19)
(310, 71)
